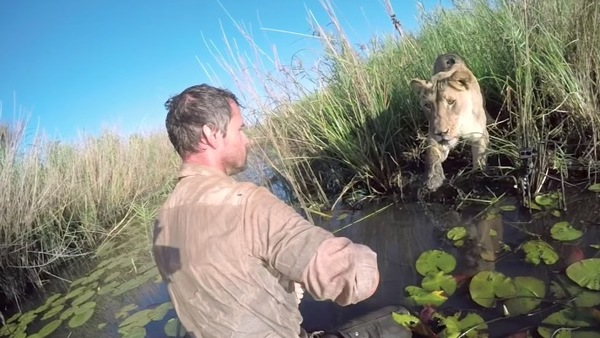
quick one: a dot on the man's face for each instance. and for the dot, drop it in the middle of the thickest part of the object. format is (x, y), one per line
(235, 150)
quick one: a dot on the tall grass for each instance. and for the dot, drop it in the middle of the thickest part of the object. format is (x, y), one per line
(348, 126)
(60, 200)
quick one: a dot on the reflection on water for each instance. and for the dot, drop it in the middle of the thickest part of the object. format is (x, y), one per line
(399, 233)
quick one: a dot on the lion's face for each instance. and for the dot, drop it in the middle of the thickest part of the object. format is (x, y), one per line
(449, 106)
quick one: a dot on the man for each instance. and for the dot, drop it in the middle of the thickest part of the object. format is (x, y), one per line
(230, 252)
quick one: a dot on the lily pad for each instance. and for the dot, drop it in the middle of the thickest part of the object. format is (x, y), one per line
(101, 326)
(68, 313)
(159, 312)
(530, 292)
(439, 281)
(423, 297)
(110, 287)
(84, 298)
(564, 289)
(486, 286)
(432, 261)
(53, 311)
(75, 293)
(508, 208)
(563, 231)
(124, 311)
(49, 328)
(547, 200)
(112, 277)
(472, 324)
(572, 321)
(457, 233)
(81, 318)
(537, 251)
(594, 187)
(171, 327)
(586, 273)
(138, 319)
(406, 320)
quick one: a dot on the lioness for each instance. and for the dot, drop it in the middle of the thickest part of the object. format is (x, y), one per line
(453, 104)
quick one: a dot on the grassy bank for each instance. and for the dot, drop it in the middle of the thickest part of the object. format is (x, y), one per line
(60, 201)
(361, 133)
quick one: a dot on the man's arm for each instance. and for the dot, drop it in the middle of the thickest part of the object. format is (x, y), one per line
(328, 267)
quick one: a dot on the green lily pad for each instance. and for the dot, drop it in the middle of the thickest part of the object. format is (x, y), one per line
(407, 320)
(547, 200)
(124, 311)
(84, 298)
(138, 319)
(555, 213)
(563, 231)
(594, 187)
(530, 292)
(439, 281)
(75, 293)
(171, 327)
(564, 289)
(472, 324)
(576, 321)
(108, 288)
(423, 297)
(84, 307)
(508, 208)
(129, 285)
(432, 261)
(538, 251)
(49, 328)
(112, 276)
(486, 286)
(457, 233)
(159, 312)
(53, 311)
(586, 273)
(81, 318)
(101, 326)
(68, 313)
(132, 332)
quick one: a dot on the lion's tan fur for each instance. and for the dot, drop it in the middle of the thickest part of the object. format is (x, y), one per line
(454, 106)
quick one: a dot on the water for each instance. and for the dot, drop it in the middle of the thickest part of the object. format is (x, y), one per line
(399, 233)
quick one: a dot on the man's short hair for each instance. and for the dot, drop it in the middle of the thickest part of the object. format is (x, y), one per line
(196, 107)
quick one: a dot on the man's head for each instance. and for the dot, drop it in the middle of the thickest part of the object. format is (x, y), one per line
(205, 125)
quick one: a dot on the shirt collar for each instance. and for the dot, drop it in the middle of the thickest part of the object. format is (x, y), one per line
(192, 169)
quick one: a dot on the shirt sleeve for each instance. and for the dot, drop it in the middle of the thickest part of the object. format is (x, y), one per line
(328, 267)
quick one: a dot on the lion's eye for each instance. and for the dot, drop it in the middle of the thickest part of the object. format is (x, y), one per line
(451, 102)
(427, 105)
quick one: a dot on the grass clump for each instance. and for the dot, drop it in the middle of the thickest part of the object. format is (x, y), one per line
(61, 200)
(348, 127)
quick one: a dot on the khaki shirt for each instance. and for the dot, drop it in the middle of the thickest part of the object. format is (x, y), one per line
(229, 253)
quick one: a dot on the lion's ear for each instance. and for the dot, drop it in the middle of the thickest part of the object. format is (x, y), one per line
(418, 85)
(463, 78)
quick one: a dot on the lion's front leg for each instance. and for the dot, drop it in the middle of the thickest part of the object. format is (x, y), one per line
(479, 146)
(436, 155)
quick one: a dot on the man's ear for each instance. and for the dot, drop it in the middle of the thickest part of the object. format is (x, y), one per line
(209, 136)
(418, 85)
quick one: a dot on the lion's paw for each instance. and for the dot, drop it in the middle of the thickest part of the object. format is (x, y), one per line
(435, 180)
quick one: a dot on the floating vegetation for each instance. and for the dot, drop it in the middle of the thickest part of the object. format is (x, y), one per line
(577, 290)
(76, 307)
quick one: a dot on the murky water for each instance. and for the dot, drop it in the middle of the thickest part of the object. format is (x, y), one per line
(399, 233)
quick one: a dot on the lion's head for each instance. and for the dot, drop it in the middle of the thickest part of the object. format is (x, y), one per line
(452, 102)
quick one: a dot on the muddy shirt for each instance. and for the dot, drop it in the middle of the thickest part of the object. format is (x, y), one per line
(229, 252)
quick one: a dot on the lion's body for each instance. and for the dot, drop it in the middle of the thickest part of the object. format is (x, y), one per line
(454, 106)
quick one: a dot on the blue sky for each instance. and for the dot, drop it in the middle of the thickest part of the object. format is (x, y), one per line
(79, 66)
